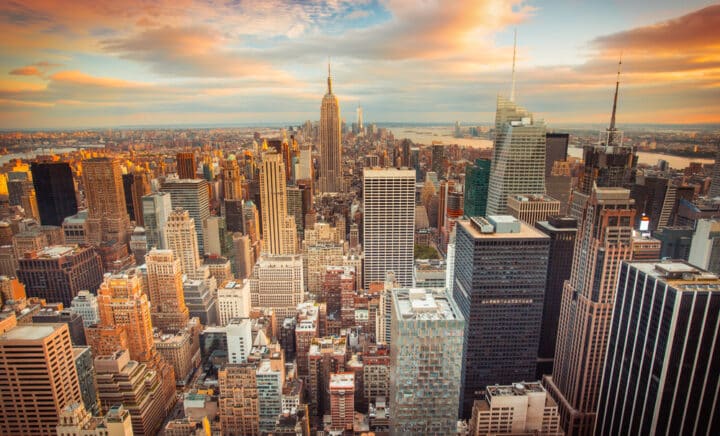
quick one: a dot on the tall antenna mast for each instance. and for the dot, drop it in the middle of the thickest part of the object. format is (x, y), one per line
(617, 86)
(329, 78)
(512, 88)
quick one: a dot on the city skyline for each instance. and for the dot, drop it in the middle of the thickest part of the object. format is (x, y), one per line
(110, 65)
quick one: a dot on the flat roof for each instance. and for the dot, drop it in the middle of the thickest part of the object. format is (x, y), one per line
(55, 251)
(32, 332)
(342, 380)
(377, 172)
(423, 304)
(680, 275)
(525, 232)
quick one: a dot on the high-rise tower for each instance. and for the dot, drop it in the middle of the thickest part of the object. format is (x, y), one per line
(108, 219)
(38, 378)
(500, 272)
(279, 230)
(180, 238)
(606, 215)
(518, 162)
(662, 372)
(164, 276)
(55, 191)
(389, 224)
(192, 195)
(331, 179)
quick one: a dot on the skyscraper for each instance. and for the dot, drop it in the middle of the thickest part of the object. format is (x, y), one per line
(606, 217)
(662, 372)
(238, 403)
(193, 196)
(714, 185)
(500, 273)
(388, 224)
(232, 180)
(180, 238)
(342, 404)
(38, 378)
(705, 246)
(279, 232)
(277, 283)
(562, 231)
(425, 361)
(477, 178)
(122, 303)
(155, 210)
(164, 277)
(438, 160)
(108, 219)
(331, 178)
(518, 163)
(556, 147)
(58, 272)
(604, 240)
(186, 165)
(55, 191)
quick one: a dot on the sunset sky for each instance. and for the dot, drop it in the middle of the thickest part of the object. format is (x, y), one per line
(93, 63)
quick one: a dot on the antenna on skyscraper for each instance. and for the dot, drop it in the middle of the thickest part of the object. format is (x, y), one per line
(512, 88)
(617, 85)
(329, 78)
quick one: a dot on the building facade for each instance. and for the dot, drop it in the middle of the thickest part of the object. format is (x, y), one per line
(388, 224)
(661, 373)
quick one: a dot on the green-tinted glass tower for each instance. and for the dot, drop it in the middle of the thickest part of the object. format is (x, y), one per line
(477, 179)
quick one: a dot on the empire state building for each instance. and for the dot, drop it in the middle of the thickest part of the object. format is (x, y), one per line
(331, 179)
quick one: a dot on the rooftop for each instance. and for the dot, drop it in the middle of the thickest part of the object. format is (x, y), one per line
(525, 230)
(424, 304)
(32, 332)
(680, 275)
(377, 172)
(515, 389)
(539, 198)
(344, 380)
(56, 251)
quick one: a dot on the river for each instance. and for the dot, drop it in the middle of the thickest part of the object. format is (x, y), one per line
(444, 134)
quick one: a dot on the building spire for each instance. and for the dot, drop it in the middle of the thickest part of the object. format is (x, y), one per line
(329, 78)
(512, 88)
(617, 86)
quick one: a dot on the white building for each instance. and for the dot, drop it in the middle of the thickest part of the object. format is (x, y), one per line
(426, 355)
(155, 210)
(705, 246)
(233, 301)
(85, 304)
(277, 283)
(239, 339)
(389, 224)
(520, 408)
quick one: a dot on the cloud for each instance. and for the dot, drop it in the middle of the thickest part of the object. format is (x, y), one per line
(698, 29)
(37, 69)
(26, 71)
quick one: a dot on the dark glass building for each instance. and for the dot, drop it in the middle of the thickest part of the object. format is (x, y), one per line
(58, 272)
(55, 191)
(500, 273)
(562, 231)
(73, 320)
(556, 147)
(477, 179)
(662, 372)
(675, 242)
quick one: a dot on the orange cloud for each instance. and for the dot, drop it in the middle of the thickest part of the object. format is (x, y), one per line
(80, 78)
